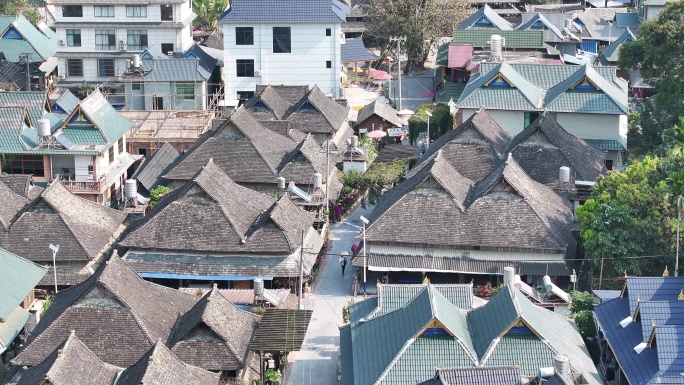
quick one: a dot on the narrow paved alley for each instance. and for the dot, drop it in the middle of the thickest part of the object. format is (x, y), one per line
(316, 363)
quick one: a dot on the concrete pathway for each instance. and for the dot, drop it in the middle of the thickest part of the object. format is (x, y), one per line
(316, 363)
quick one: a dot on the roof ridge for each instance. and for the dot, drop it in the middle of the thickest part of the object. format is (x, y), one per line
(242, 113)
(394, 361)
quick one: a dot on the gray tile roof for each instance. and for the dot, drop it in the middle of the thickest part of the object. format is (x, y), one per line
(476, 215)
(474, 148)
(151, 170)
(499, 375)
(227, 331)
(116, 314)
(353, 50)
(498, 22)
(71, 363)
(273, 11)
(172, 71)
(18, 278)
(543, 87)
(229, 218)
(377, 107)
(407, 344)
(544, 146)
(83, 228)
(12, 204)
(160, 366)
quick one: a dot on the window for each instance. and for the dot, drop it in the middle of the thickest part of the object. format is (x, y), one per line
(185, 91)
(121, 146)
(167, 47)
(74, 67)
(111, 155)
(245, 68)
(245, 95)
(136, 11)
(72, 11)
(23, 164)
(328, 64)
(142, 151)
(104, 11)
(73, 37)
(105, 39)
(137, 39)
(136, 86)
(530, 117)
(105, 67)
(166, 12)
(281, 40)
(244, 36)
(328, 32)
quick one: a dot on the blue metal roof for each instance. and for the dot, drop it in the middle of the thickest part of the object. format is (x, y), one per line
(627, 19)
(658, 313)
(640, 289)
(669, 342)
(638, 368)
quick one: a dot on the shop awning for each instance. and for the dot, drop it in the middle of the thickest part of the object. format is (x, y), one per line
(281, 330)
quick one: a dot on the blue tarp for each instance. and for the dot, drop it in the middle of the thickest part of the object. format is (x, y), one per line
(589, 46)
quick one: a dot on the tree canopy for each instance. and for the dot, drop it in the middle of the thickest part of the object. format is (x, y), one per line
(208, 14)
(422, 22)
(441, 121)
(628, 216)
(659, 54)
(21, 7)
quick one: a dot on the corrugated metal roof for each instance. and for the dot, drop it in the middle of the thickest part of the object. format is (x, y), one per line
(34, 41)
(174, 70)
(10, 329)
(607, 144)
(18, 277)
(281, 330)
(480, 38)
(459, 55)
(641, 289)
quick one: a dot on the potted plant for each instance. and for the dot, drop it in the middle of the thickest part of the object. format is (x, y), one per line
(273, 377)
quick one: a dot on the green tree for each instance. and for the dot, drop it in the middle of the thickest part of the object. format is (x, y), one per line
(208, 13)
(377, 179)
(674, 138)
(676, 194)
(658, 53)
(627, 216)
(441, 121)
(21, 7)
(422, 22)
(85, 89)
(157, 193)
(582, 307)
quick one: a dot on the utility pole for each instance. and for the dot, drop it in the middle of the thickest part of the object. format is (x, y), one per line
(25, 58)
(301, 273)
(399, 39)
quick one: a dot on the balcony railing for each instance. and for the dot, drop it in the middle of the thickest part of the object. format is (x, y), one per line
(85, 186)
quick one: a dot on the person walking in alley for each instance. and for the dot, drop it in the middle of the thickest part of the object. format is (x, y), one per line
(343, 263)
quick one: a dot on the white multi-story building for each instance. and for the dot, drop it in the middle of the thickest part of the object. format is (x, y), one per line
(97, 39)
(294, 42)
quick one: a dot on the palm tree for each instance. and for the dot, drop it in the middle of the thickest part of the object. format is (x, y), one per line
(675, 136)
(208, 13)
(676, 192)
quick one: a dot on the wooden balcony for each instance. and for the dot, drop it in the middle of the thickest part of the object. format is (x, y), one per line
(92, 186)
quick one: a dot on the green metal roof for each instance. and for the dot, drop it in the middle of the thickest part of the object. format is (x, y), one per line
(84, 135)
(442, 55)
(609, 97)
(612, 51)
(10, 329)
(528, 351)
(488, 322)
(18, 277)
(514, 39)
(606, 144)
(35, 42)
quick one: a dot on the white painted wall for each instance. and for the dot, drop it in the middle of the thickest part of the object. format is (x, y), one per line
(306, 64)
(158, 33)
(512, 122)
(652, 11)
(81, 163)
(353, 166)
(167, 91)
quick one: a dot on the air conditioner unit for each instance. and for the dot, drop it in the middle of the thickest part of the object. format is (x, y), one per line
(122, 45)
(257, 73)
(62, 42)
(61, 77)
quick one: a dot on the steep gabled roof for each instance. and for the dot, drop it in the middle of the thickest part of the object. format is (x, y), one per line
(327, 116)
(22, 185)
(161, 366)
(214, 334)
(105, 117)
(71, 363)
(500, 375)
(540, 19)
(474, 148)
(31, 39)
(612, 52)
(513, 86)
(485, 12)
(277, 105)
(446, 186)
(586, 75)
(35, 101)
(544, 146)
(18, 278)
(82, 228)
(509, 195)
(117, 314)
(213, 213)
(66, 102)
(12, 203)
(380, 109)
(244, 149)
(150, 171)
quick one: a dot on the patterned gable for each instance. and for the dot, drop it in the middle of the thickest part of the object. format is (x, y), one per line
(499, 81)
(12, 33)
